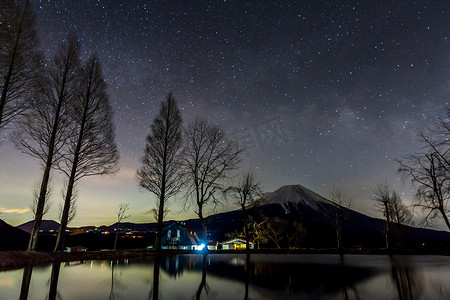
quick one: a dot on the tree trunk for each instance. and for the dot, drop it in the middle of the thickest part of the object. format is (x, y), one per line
(32, 246)
(64, 218)
(246, 230)
(203, 222)
(388, 229)
(68, 200)
(445, 217)
(117, 235)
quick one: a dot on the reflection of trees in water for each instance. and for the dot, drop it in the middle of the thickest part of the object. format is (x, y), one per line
(296, 278)
(175, 265)
(154, 291)
(26, 280)
(203, 284)
(116, 284)
(53, 290)
(348, 287)
(406, 280)
(247, 275)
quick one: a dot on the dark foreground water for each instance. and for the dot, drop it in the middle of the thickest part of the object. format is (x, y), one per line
(239, 276)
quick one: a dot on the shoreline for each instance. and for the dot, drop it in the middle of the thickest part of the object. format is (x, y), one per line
(12, 260)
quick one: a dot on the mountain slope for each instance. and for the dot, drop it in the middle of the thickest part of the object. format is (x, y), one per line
(317, 214)
(12, 238)
(46, 225)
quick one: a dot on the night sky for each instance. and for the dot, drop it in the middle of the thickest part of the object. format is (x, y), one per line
(322, 93)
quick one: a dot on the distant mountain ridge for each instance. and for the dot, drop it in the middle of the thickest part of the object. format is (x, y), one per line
(297, 203)
(46, 225)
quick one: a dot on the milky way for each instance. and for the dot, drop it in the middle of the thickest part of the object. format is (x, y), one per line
(322, 93)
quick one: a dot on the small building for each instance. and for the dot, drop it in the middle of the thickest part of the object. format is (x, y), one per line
(178, 236)
(76, 249)
(236, 244)
(212, 245)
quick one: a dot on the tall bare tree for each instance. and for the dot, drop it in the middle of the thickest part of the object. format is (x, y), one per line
(210, 157)
(382, 199)
(43, 132)
(247, 194)
(400, 213)
(91, 149)
(274, 229)
(20, 58)
(401, 216)
(121, 215)
(437, 140)
(35, 200)
(341, 202)
(429, 171)
(160, 171)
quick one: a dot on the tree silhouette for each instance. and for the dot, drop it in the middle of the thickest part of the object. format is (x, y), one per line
(43, 132)
(160, 170)
(20, 58)
(121, 215)
(210, 157)
(247, 194)
(429, 170)
(341, 202)
(382, 198)
(91, 149)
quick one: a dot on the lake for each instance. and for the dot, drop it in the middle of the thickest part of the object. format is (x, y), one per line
(236, 276)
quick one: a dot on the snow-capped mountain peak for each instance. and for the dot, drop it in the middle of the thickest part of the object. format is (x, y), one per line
(295, 195)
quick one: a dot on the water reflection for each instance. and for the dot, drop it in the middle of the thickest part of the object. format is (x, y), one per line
(53, 291)
(155, 287)
(241, 276)
(203, 284)
(25, 286)
(116, 286)
(406, 280)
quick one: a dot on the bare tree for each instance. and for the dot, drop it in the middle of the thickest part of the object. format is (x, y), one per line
(275, 229)
(160, 171)
(401, 216)
(20, 58)
(91, 149)
(73, 208)
(400, 213)
(121, 215)
(258, 232)
(35, 200)
(341, 202)
(247, 194)
(382, 199)
(296, 235)
(428, 173)
(210, 157)
(429, 170)
(43, 131)
(437, 140)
